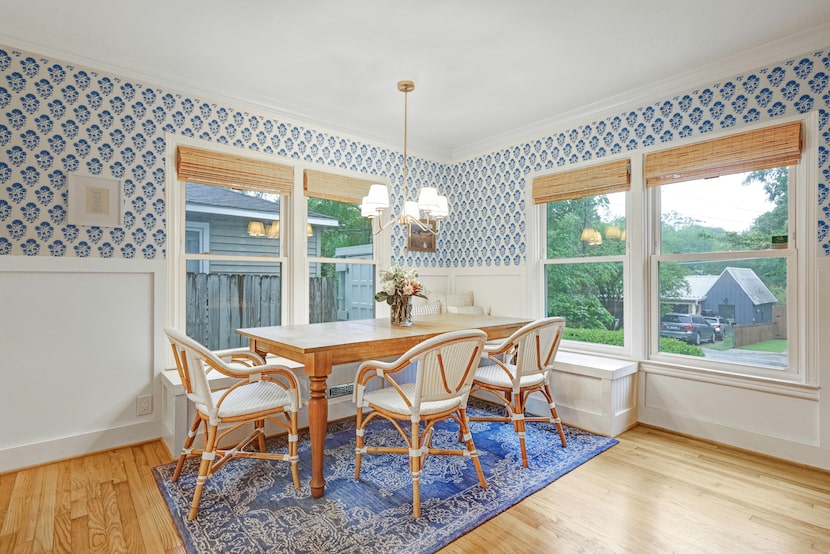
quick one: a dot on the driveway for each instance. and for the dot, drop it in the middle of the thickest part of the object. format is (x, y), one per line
(747, 357)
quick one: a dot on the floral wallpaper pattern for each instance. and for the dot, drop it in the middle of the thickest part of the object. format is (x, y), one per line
(56, 118)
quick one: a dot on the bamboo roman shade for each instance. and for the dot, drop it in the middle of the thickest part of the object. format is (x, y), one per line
(751, 151)
(329, 186)
(225, 170)
(580, 183)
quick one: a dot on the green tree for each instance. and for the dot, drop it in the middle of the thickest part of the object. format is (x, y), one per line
(588, 295)
(352, 230)
(776, 185)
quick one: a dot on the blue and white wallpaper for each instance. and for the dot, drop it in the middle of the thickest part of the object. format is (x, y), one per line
(56, 118)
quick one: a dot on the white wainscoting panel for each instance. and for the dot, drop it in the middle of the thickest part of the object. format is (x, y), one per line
(777, 424)
(78, 344)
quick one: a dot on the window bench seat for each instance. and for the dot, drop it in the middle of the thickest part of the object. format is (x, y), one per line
(593, 392)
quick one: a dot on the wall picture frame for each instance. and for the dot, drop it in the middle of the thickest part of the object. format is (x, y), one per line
(94, 201)
(421, 239)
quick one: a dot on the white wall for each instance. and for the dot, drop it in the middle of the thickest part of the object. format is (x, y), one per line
(501, 289)
(82, 338)
(80, 341)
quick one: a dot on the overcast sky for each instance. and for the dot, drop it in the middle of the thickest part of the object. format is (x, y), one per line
(722, 202)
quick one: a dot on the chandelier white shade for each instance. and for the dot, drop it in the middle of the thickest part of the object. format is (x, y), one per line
(375, 202)
(433, 205)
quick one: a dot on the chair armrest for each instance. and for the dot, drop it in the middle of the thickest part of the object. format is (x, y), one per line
(371, 367)
(497, 347)
(246, 371)
(239, 355)
(374, 369)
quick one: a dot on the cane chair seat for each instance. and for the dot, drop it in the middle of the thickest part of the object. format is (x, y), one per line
(446, 366)
(496, 376)
(400, 401)
(262, 392)
(254, 398)
(517, 367)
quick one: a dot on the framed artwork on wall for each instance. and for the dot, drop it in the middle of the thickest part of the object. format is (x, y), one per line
(94, 200)
(421, 239)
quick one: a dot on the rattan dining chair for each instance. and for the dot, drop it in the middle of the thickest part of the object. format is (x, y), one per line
(520, 366)
(446, 365)
(263, 392)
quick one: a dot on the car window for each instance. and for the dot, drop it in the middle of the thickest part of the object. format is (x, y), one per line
(673, 318)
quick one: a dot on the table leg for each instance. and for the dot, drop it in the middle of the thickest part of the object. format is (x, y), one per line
(318, 417)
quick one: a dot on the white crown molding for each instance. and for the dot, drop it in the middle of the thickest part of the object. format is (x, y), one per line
(809, 40)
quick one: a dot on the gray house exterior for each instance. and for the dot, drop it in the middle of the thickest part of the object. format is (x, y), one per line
(217, 222)
(740, 296)
(737, 294)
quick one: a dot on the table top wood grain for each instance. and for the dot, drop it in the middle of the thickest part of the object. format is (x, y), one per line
(356, 340)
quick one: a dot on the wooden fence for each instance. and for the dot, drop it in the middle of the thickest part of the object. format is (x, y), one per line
(220, 303)
(322, 293)
(751, 334)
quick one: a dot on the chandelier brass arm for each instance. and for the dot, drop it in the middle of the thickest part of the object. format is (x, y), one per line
(433, 205)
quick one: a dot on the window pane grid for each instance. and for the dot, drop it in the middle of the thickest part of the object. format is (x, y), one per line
(584, 263)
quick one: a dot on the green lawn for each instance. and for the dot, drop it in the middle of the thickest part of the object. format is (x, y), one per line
(778, 346)
(725, 344)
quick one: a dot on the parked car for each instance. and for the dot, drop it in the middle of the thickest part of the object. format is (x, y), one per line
(691, 328)
(719, 324)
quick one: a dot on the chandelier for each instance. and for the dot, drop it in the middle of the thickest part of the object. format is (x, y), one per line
(433, 205)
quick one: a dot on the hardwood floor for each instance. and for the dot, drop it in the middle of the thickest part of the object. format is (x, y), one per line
(653, 492)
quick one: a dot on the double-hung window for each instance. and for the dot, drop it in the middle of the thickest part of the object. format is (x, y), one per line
(233, 259)
(342, 256)
(584, 245)
(724, 256)
(256, 242)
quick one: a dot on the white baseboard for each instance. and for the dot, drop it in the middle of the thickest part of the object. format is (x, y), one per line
(747, 440)
(28, 455)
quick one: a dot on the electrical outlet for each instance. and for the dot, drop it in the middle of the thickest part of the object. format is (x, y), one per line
(144, 405)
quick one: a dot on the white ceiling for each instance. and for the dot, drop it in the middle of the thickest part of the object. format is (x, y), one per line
(484, 70)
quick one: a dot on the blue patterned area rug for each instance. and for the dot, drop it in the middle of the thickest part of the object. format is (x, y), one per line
(252, 506)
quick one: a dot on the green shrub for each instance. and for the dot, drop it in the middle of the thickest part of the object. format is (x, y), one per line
(674, 346)
(596, 336)
(615, 338)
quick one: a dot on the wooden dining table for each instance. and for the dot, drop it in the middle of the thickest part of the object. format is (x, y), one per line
(319, 346)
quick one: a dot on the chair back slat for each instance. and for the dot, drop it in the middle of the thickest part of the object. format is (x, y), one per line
(536, 346)
(446, 369)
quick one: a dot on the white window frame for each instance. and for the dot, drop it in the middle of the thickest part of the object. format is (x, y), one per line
(642, 311)
(537, 247)
(802, 317)
(381, 242)
(293, 257)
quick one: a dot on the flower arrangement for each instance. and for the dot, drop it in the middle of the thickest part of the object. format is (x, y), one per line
(398, 286)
